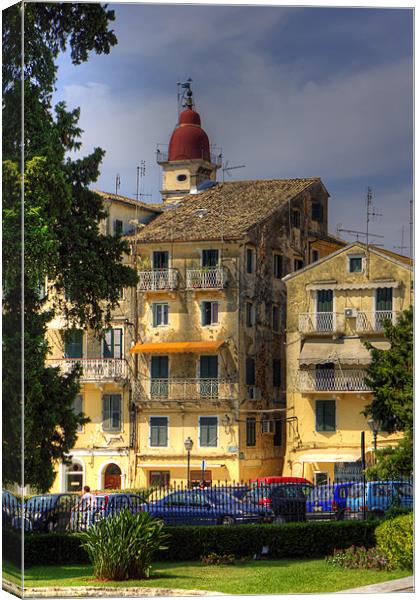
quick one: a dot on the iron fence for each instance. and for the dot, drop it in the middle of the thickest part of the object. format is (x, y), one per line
(205, 503)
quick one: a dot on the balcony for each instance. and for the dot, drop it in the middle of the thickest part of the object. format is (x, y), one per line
(373, 322)
(333, 380)
(94, 369)
(157, 280)
(206, 278)
(174, 389)
(322, 322)
(162, 156)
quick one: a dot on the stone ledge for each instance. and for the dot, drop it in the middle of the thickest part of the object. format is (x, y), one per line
(386, 587)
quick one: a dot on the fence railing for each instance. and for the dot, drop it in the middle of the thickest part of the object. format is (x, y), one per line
(162, 157)
(206, 278)
(187, 389)
(374, 321)
(203, 502)
(334, 380)
(158, 279)
(94, 369)
(321, 322)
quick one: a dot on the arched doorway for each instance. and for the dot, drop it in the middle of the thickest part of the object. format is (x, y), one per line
(112, 477)
(73, 481)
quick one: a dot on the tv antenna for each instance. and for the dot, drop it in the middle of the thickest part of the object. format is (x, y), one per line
(117, 183)
(411, 228)
(226, 169)
(371, 214)
(402, 247)
(183, 90)
(141, 172)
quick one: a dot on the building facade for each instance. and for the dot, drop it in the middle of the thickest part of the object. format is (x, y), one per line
(334, 306)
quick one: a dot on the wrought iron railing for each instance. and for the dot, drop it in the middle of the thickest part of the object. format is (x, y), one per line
(186, 389)
(374, 321)
(333, 380)
(321, 322)
(158, 279)
(93, 369)
(162, 157)
(206, 278)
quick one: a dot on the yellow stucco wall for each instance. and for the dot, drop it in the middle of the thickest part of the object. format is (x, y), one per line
(302, 437)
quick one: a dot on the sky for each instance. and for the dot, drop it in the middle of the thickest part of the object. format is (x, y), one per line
(285, 91)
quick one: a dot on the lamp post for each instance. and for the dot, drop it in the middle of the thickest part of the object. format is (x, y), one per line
(375, 426)
(188, 444)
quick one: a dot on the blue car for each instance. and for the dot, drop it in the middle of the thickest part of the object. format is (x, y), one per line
(328, 501)
(379, 496)
(201, 507)
(49, 512)
(117, 502)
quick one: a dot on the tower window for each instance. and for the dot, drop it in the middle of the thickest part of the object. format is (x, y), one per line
(181, 177)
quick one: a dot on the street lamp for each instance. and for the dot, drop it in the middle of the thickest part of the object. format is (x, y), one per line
(188, 444)
(375, 426)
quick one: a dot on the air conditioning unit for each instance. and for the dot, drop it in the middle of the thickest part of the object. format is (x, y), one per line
(253, 392)
(350, 312)
(267, 426)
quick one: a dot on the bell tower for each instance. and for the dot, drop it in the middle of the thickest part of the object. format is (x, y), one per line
(188, 160)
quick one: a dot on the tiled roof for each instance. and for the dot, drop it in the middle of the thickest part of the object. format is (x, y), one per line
(400, 257)
(228, 209)
(108, 196)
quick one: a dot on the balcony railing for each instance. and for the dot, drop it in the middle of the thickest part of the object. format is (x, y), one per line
(158, 279)
(374, 321)
(206, 278)
(333, 380)
(187, 389)
(94, 369)
(162, 157)
(322, 322)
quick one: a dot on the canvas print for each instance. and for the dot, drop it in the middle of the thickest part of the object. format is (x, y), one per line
(207, 299)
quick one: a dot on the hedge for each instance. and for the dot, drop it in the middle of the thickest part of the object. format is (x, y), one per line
(395, 539)
(290, 540)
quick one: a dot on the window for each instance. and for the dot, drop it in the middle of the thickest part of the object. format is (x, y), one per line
(250, 371)
(73, 343)
(112, 344)
(159, 478)
(111, 412)
(355, 264)
(315, 255)
(118, 227)
(251, 431)
(158, 431)
(160, 260)
(298, 264)
(296, 219)
(278, 432)
(277, 266)
(317, 212)
(78, 409)
(181, 177)
(276, 318)
(210, 258)
(276, 372)
(384, 299)
(325, 415)
(208, 431)
(159, 370)
(209, 313)
(160, 314)
(209, 373)
(74, 477)
(325, 377)
(249, 260)
(249, 314)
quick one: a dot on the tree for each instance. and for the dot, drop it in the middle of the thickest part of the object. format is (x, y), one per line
(390, 376)
(62, 240)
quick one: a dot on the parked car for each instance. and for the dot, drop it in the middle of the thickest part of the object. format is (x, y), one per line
(202, 507)
(379, 496)
(10, 507)
(277, 479)
(117, 502)
(280, 502)
(328, 501)
(87, 512)
(48, 512)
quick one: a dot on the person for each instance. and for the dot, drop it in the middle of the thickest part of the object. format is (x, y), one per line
(89, 501)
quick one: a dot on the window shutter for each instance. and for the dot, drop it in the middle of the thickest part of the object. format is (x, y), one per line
(106, 412)
(215, 312)
(117, 343)
(330, 415)
(107, 344)
(165, 314)
(250, 371)
(115, 417)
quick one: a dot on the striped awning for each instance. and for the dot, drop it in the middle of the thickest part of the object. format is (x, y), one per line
(177, 347)
(346, 351)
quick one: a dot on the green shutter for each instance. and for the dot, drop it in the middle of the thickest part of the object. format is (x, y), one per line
(106, 412)
(325, 415)
(73, 345)
(158, 431)
(208, 431)
(384, 299)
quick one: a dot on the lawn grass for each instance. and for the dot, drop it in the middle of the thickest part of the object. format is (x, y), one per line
(248, 577)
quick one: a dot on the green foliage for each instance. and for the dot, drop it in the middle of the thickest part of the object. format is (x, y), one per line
(121, 547)
(390, 376)
(290, 540)
(395, 539)
(359, 557)
(62, 240)
(218, 559)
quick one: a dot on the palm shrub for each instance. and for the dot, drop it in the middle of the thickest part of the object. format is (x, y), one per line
(121, 547)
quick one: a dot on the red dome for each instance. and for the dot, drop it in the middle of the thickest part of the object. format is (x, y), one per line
(188, 140)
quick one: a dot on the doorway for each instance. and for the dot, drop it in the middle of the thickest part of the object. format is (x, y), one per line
(112, 477)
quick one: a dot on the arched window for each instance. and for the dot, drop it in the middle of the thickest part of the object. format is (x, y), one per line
(74, 477)
(112, 477)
